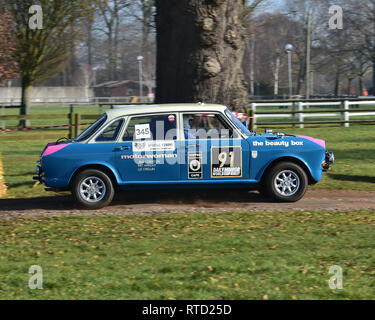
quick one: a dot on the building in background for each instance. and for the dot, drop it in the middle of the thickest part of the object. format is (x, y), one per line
(124, 88)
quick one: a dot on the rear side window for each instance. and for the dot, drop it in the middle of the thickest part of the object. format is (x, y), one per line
(152, 127)
(111, 132)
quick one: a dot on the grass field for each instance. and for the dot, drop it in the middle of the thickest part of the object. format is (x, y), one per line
(253, 255)
(354, 149)
(279, 255)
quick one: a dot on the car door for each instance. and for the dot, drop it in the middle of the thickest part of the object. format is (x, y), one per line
(148, 151)
(214, 150)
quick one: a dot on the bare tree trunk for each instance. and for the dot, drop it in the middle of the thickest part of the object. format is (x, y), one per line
(276, 75)
(65, 81)
(360, 84)
(301, 73)
(299, 85)
(110, 49)
(89, 40)
(147, 16)
(115, 49)
(300, 79)
(25, 101)
(252, 63)
(71, 65)
(200, 52)
(337, 84)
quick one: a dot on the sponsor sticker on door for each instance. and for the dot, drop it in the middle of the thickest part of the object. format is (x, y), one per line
(195, 165)
(139, 146)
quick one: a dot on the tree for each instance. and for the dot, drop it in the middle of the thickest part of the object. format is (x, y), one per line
(8, 63)
(265, 57)
(361, 17)
(143, 11)
(42, 53)
(350, 50)
(302, 11)
(200, 49)
(111, 12)
(334, 57)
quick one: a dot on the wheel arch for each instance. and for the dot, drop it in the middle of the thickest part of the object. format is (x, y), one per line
(96, 166)
(297, 161)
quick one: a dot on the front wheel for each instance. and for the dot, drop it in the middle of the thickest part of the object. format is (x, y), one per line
(92, 189)
(286, 182)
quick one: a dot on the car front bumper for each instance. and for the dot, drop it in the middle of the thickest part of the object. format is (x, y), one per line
(40, 174)
(328, 161)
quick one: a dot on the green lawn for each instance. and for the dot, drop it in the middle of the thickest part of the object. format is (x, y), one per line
(254, 255)
(354, 149)
(20, 151)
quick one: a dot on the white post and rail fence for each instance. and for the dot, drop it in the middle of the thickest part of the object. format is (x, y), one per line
(342, 112)
(300, 113)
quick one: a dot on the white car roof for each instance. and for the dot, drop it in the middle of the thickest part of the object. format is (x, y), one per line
(125, 110)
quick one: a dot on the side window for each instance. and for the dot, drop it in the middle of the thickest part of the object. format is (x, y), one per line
(111, 132)
(153, 127)
(206, 126)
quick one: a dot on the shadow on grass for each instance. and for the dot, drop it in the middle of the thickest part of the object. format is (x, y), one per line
(345, 177)
(209, 198)
(20, 184)
(355, 154)
(21, 174)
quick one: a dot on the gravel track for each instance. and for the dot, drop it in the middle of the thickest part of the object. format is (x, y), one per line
(148, 202)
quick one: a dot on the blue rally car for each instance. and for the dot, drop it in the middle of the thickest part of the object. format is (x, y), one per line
(179, 146)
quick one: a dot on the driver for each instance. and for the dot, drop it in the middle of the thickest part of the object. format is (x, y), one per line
(188, 119)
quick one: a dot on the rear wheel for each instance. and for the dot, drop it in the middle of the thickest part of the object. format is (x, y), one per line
(286, 182)
(92, 189)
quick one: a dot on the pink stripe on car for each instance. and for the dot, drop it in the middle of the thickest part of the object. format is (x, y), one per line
(320, 142)
(53, 147)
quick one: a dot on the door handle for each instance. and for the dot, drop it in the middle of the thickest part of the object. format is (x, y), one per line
(122, 148)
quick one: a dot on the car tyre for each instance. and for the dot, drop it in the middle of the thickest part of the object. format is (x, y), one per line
(92, 189)
(285, 182)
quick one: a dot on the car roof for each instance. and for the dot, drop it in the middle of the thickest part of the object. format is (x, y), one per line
(125, 110)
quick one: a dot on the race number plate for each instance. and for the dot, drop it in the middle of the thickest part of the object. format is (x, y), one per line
(226, 162)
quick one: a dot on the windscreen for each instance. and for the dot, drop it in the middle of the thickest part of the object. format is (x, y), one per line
(91, 130)
(238, 123)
